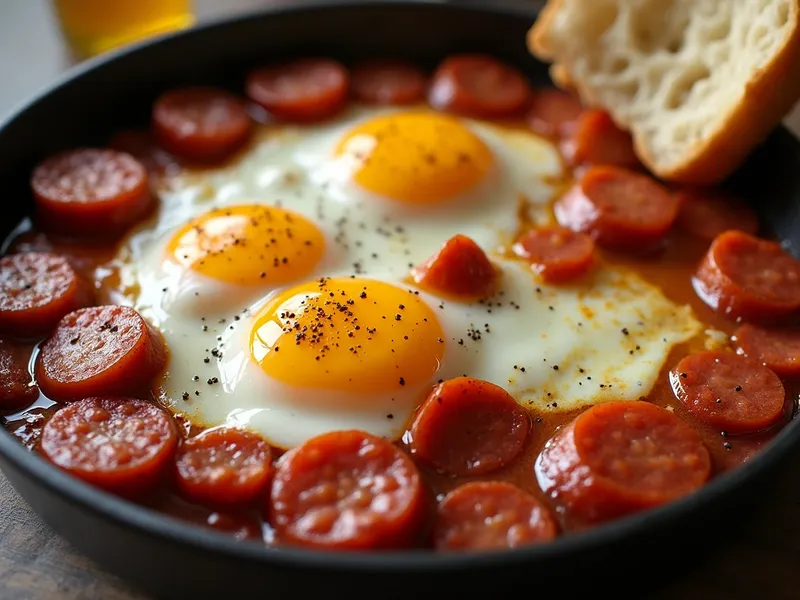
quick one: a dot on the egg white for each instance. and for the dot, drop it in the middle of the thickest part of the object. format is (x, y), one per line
(554, 348)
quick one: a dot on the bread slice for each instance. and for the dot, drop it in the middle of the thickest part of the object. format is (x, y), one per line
(698, 83)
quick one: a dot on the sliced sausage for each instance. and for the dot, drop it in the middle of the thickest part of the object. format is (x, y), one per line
(459, 269)
(553, 113)
(224, 467)
(595, 139)
(618, 208)
(743, 277)
(347, 490)
(776, 349)
(90, 192)
(468, 427)
(729, 392)
(36, 290)
(200, 123)
(103, 350)
(306, 89)
(618, 458)
(393, 82)
(708, 213)
(17, 389)
(491, 515)
(557, 254)
(478, 86)
(122, 445)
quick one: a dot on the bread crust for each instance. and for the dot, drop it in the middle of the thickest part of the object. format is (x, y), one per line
(768, 96)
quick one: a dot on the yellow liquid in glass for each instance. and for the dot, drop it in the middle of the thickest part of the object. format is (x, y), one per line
(94, 26)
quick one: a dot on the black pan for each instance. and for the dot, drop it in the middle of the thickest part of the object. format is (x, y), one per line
(170, 559)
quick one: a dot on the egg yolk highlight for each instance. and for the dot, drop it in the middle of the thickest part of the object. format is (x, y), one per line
(348, 334)
(416, 157)
(249, 245)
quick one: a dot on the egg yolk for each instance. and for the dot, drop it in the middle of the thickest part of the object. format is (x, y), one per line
(249, 245)
(416, 157)
(348, 334)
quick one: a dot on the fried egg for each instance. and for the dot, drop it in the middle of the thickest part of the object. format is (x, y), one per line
(280, 281)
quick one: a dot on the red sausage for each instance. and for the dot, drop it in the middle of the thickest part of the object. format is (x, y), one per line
(302, 90)
(557, 254)
(224, 467)
(729, 392)
(468, 427)
(743, 277)
(478, 86)
(103, 350)
(707, 213)
(776, 349)
(17, 389)
(553, 113)
(200, 123)
(595, 139)
(347, 490)
(459, 269)
(491, 515)
(387, 82)
(36, 290)
(90, 192)
(618, 458)
(618, 208)
(122, 445)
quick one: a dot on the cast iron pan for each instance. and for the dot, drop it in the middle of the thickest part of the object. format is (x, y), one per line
(171, 559)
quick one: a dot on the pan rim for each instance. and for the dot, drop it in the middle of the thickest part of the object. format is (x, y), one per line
(167, 529)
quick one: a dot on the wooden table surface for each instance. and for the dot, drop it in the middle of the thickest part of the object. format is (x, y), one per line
(36, 564)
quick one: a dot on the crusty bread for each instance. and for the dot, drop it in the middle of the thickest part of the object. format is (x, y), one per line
(698, 83)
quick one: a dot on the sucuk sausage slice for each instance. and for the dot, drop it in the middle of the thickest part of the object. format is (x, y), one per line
(596, 140)
(306, 89)
(393, 82)
(468, 427)
(224, 467)
(620, 457)
(776, 349)
(557, 254)
(347, 490)
(729, 392)
(36, 290)
(744, 277)
(90, 192)
(618, 208)
(553, 113)
(122, 445)
(708, 213)
(17, 389)
(200, 123)
(97, 351)
(491, 515)
(460, 269)
(476, 85)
